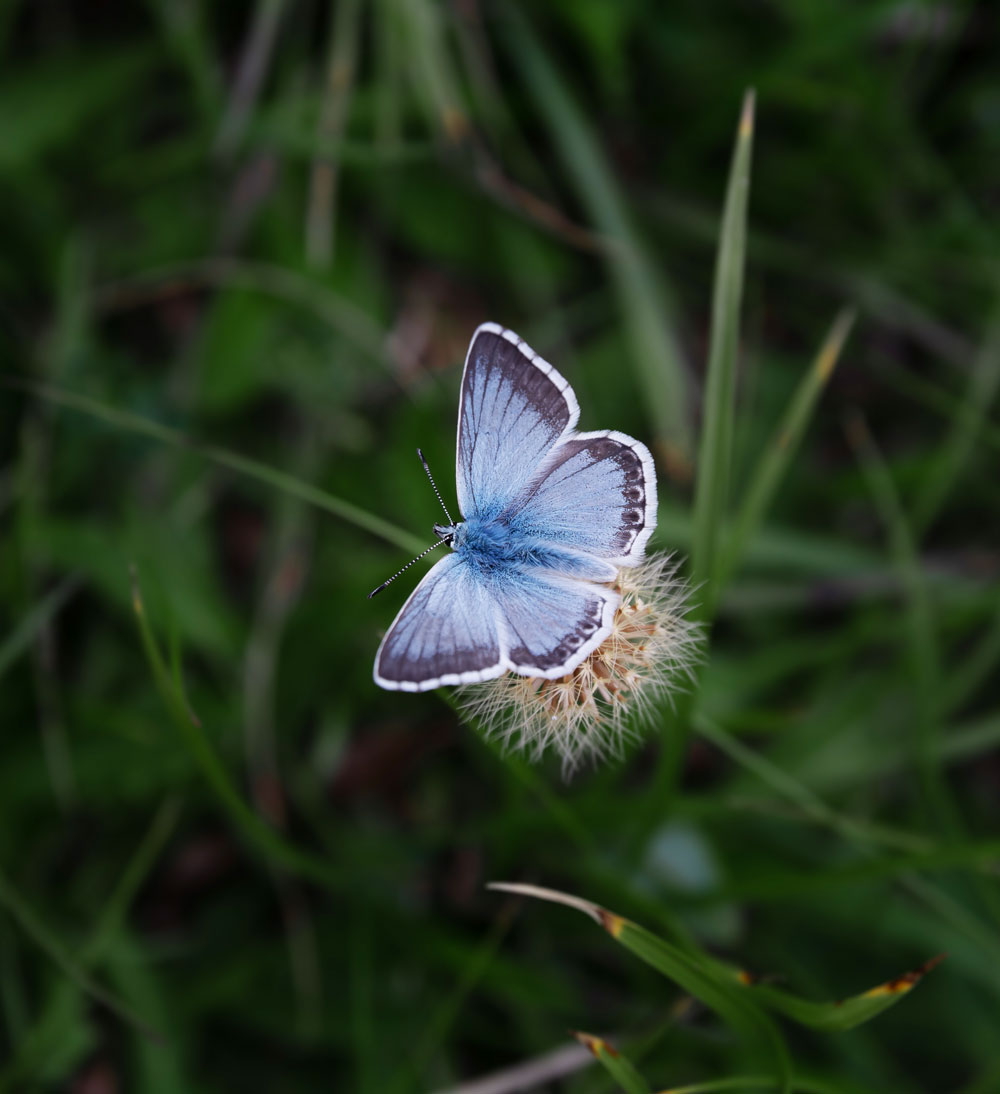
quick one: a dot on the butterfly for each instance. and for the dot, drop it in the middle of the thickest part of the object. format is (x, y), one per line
(550, 515)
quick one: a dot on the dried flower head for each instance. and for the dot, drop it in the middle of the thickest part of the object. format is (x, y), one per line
(596, 708)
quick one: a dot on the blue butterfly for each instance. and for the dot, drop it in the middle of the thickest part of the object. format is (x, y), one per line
(550, 516)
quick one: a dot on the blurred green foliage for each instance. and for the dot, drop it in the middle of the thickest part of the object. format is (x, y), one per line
(252, 242)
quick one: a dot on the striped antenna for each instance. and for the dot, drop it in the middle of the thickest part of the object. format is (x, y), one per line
(434, 485)
(407, 566)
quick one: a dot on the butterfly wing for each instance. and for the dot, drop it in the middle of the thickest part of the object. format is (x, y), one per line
(445, 633)
(513, 408)
(457, 628)
(549, 623)
(586, 500)
(594, 493)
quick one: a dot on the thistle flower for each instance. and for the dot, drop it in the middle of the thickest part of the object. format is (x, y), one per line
(595, 709)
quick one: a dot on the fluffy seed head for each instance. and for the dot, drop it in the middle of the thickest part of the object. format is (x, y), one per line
(595, 709)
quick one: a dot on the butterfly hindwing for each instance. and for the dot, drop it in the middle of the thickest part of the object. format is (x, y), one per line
(446, 633)
(513, 408)
(594, 493)
(549, 624)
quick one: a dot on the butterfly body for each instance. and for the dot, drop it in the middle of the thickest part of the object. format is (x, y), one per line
(550, 516)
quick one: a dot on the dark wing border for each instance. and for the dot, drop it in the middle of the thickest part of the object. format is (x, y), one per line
(644, 529)
(471, 676)
(560, 382)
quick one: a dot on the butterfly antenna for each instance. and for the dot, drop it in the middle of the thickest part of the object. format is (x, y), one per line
(434, 485)
(407, 566)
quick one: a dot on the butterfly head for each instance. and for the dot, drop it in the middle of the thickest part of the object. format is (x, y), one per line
(447, 532)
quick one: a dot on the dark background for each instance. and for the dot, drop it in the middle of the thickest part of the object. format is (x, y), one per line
(272, 228)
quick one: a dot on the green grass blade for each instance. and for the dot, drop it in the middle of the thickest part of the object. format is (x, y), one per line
(156, 1069)
(183, 25)
(271, 846)
(719, 407)
(321, 211)
(842, 1014)
(785, 785)
(267, 278)
(433, 72)
(35, 1044)
(743, 1084)
(944, 906)
(976, 667)
(920, 632)
(642, 296)
(434, 1037)
(47, 941)
(778, 454)
(695, 972)
(619, 1067)
(19, 640)
(966, 428)
(255, 61)
(244, 465)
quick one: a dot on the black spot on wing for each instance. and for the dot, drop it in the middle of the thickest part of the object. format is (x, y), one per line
(626, 504)
(577, 632)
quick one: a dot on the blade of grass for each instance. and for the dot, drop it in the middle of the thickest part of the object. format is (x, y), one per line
(20, 639)
(35, 1044)
(966, 427)
(742, 1084)
(949, 910)
(338, 87)
(441, 1021)
(692, 970)
(47, 941)
(836, 1016)
(263, 839)
(339, 313)
(254, 59)
(780, 781)
(183, 25)
(920, 633)
(844, 1014)
(13, 1002)
(361, 984)
(388, 58)
(979, 665)
(942, 401)
(777, 456)
(719, 407)
(244, 465)
(642, 296)
(433, 74)
(157, 1069)
(619, 1067)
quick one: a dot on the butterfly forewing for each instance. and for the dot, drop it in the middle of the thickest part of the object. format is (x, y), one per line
(513, 408)
(446, 633)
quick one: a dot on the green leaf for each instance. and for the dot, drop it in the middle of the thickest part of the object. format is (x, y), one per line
(968, 424)
(46, 940)
(716, 441)
(244, 465)
(642, 296)
(258, 835)
(619, 1067)
(693, 971)
(44, 105)
(845, 1013)
(777, 456)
